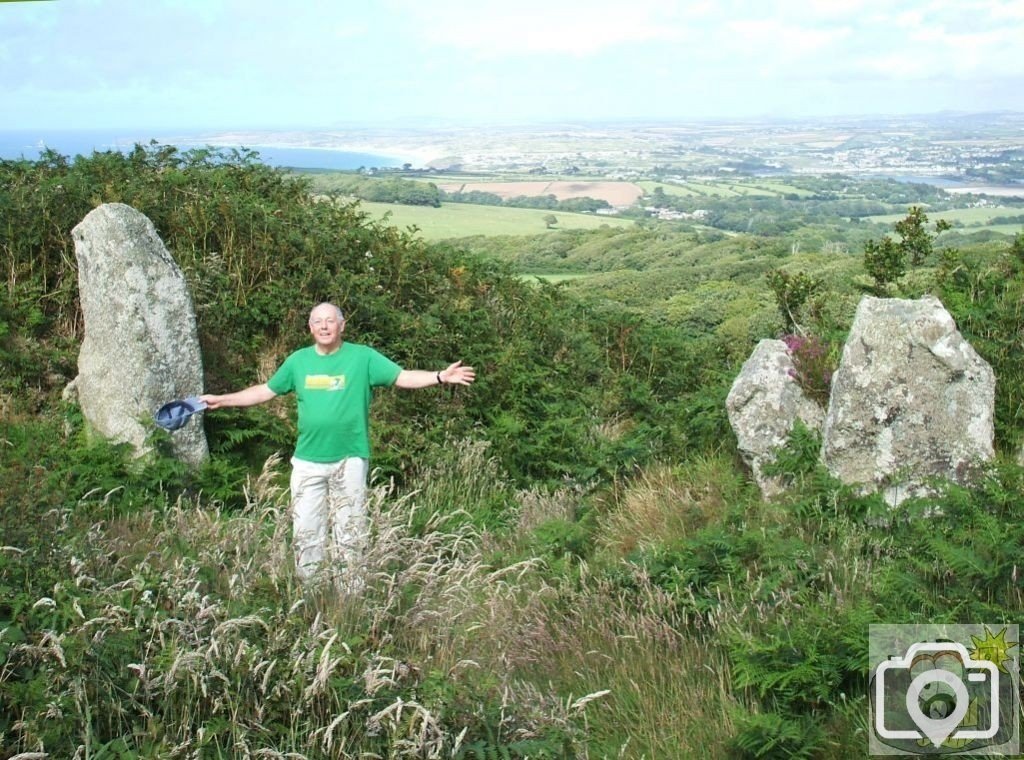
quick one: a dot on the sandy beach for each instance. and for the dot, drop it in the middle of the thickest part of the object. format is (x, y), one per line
(404, 149)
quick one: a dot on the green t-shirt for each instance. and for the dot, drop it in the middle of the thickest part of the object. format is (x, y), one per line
(334, 394)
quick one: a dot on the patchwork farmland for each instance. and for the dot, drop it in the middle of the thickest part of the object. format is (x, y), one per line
(618, 194)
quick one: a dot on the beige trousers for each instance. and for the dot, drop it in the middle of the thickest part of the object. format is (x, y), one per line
(328, 515)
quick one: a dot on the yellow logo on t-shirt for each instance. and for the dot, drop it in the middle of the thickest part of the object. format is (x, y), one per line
(325, 382)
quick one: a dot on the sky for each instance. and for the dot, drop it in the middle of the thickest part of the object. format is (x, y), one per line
(321, 64)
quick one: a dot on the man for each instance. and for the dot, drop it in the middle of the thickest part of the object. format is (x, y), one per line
(333, 381)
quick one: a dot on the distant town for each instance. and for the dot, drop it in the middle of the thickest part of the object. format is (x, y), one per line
(949, 150)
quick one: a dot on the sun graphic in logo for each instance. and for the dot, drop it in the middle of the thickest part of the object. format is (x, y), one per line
(994, 648)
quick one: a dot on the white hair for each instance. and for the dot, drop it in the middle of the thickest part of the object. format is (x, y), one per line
(341, 316)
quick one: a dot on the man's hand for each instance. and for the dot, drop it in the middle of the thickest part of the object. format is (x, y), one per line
(457, 374)
(212, 401)
(255, 394)
(454, 374)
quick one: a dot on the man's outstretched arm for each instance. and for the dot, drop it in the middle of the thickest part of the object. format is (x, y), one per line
(251, 396)
(454, 374)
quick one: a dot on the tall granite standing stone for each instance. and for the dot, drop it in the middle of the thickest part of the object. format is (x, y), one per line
(141, 347)
(763, 405)
(911, 400)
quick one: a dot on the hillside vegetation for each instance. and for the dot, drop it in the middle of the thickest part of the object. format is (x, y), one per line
(568, 560)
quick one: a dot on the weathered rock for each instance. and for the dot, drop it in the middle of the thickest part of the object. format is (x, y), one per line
(911, 400)
(141, 347)
(763, 405)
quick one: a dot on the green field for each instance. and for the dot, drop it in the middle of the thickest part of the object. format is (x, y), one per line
(783, 189)
(440, 178)
(454, 220)
(743, 188)
(726, 188)
(669, 189)
(708, 189)
(555, 278)
(970, 217)
(1006, 229)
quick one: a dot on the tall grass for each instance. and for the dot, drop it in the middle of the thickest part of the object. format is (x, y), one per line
(695, 622)
(184, 633)
(664, 503)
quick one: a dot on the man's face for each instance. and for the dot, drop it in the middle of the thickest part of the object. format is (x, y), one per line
(326, 327)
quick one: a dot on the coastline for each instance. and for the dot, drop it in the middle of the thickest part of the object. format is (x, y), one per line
(400, 151)
(333, 151)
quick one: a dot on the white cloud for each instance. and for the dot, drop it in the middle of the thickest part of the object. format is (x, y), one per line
(896, 66)
(835, 9)
(779, 40)
(911, 19)
(931, 40)
(552, 32)
(994, 51)
(348, 31)
(492, 29)
(1011, 10)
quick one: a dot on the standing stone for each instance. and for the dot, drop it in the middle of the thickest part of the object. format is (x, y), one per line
(141, 347)
(763, 404)
(911, 400)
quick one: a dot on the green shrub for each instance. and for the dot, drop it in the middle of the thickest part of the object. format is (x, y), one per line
(771, 735)
(984, 291)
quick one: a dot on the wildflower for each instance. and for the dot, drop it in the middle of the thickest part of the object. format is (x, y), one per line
(812, 367)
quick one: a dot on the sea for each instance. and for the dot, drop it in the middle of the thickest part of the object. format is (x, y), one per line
(29, 144)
